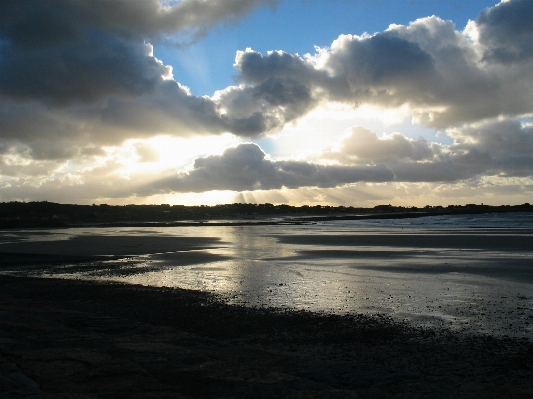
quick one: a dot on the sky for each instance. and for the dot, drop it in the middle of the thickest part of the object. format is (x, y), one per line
(332, 102)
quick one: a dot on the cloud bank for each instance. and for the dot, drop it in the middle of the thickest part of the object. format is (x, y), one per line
(78, 77)
(496, 148)
(246, 167)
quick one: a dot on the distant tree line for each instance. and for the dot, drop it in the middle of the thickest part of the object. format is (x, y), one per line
(44, 213)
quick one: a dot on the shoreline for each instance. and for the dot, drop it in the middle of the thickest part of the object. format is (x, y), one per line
(477, 280)
(259, 220)
(67, 338)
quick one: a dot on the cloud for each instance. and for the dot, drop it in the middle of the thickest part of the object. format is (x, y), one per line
(507, 32)
(96, 66)
(146, 153)
(64, 50)
(508, 143)
(76, 72)
(483, 156)
(15, 163)
(444, 76)
(246, 167)
(384, 60)
(500, 147)
(408, 160)
(77, 77)
(493, 190)
(36, 23)
(80, 75)
(361, 145)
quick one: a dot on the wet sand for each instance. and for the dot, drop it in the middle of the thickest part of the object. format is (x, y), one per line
(483, 239)
(78, 339)
(109, 245)
(67, 338)
(475, 279)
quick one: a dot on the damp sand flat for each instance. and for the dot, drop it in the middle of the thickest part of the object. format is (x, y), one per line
(372, 288)
(479, 280)
(80, 339)
(108, 245)
(481, 239)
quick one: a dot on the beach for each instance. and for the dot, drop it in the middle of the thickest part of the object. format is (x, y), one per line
(318, 311)
(294, 199)
(62, 338)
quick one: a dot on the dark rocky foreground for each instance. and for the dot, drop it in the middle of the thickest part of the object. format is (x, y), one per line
(73, 339)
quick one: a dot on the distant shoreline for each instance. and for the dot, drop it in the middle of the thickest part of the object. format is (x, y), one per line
(293, 217)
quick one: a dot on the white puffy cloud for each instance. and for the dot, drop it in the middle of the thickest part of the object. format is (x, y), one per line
(444, 76)
(361, 145)
(499, 147)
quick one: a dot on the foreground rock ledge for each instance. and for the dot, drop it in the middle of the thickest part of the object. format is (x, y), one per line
(73, 339)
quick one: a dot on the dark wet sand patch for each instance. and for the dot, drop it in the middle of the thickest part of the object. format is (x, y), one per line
(433, 262)
(352, 254)
(517, 270)
(24, 260)
(64, 338)
(104, 266)
(515, 242)
(98, 245)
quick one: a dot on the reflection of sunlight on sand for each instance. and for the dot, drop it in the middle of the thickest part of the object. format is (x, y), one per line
(464, 287)
(250, 273)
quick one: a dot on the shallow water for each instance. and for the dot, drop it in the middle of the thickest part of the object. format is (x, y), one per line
(463, 273)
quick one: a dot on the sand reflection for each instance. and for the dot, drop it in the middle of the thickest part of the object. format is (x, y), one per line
(480, 280)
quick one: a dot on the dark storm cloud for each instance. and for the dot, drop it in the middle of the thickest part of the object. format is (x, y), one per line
(96, 66)
(507, 31)
(35, 23)
(81, 70)
(246, 167)
(65, 50)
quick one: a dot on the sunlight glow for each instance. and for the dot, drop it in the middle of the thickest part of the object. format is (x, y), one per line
(326, 124)
(165, 152)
